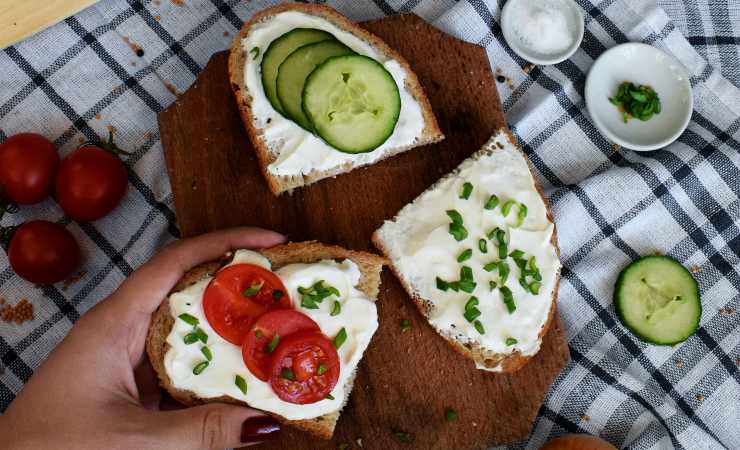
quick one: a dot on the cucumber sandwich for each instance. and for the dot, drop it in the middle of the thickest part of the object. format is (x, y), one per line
(320, 96)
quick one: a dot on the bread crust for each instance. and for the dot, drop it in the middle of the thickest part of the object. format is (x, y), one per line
(509, 362)
(238, 57)
(302, 252)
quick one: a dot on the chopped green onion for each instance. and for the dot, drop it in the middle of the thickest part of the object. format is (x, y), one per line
(492, 234)
(336, 309)
(273, 344)
(340, 338)
(506, 209)
(534, 287)
(329, 397)
(207, 353)
(405, 325)
(465, 286)
(321, 369)
(450, 415)
(466, 273)
(482, 246)
(200, 367)
(254, 289)
(491, 203)
(277, 295)
(472, 302)
(188, 319)
(466, 191)
(190, 338)
(286, 373)
(533, 263)
(508, 298)
(241, 384)
(503, 271)
(523, 283)
(454, 285)
(502, 250)
(455, 216)
(479, 327)
(501, 238)
(471, 314)
(521, 214)
(442, 285)
(491, 266)
(517, 254)
(258, 333)
(312, 296)
(465, 255)
(511, 341)
(202, 336)
(403, 437)
(255, 52)
(458, 231)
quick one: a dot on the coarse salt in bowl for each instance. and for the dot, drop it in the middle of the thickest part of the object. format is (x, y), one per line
(543, 31)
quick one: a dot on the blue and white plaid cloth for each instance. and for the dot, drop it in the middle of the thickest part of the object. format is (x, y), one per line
(75, 80)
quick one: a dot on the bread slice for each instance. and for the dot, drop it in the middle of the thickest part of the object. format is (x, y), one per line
(266, 156)
(370, 266)
(387, 241)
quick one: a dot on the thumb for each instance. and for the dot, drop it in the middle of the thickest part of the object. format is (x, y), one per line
(213, 426)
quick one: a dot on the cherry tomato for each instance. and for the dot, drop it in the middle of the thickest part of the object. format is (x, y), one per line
(304, 368)
(238, 295)
(91, 183)
(281, 322)
(43, 252)
(28, 164)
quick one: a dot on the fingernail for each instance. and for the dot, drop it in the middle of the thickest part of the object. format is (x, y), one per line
(259, 429)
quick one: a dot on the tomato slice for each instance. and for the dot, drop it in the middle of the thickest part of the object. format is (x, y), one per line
(281, 322)
(304, 368)
(238, 295)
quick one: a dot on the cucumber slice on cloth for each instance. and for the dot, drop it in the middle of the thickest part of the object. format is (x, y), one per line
(658, 300)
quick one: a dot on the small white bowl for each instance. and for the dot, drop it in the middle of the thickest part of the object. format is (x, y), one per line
(640, 64)
(574, 17)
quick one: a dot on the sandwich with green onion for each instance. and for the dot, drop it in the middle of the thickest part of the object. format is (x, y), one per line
(477, 253)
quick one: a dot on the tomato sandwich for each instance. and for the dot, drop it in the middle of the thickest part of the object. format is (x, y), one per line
(280, 329)
(477, 253)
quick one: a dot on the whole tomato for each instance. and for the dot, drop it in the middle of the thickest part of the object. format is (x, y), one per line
(28, 164)
(43, 252)
(91, 182)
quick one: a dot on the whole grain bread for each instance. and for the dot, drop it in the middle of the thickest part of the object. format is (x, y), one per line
(303, 252)
(508, 362)
(238, 57)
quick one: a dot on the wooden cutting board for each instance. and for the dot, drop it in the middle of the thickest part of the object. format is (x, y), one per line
(405, 381)
(22, 18)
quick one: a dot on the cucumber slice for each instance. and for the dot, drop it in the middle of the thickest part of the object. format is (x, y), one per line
(658, 300)
(353, 103)
(278, 50)
(293, 72)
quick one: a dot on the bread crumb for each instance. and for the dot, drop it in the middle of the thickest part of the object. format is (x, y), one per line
(81, 140)
(226, 34)
(700, 397)
(359, 442)
(157, 18)
(170, 87)
(498, 70)
(695, 269)
(528, 68)
(20, 313)
(178, 2)
(111, 129)
(148, 136)
(679, 363)
(136, 48)
(73, 280)
(616, 148)
(156, 2)
(97, 116)
(727, 311)
(585, 417)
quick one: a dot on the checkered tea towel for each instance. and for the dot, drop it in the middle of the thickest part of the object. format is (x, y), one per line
(114, 66)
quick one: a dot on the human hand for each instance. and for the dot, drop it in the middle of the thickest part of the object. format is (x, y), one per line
(90, 393)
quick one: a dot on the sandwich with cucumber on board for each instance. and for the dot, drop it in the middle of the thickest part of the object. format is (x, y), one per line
(320, 96)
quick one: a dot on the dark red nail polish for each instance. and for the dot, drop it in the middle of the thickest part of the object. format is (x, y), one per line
(259, 429)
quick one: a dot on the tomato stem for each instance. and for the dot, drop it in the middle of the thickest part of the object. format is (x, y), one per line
(109, 146)
(6, 235)
(7, 205)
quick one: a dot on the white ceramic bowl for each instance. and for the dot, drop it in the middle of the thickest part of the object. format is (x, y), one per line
(574, 17)
(640, 64)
